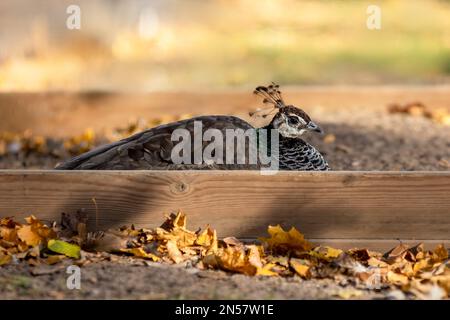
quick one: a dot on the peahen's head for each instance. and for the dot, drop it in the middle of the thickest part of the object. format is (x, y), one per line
(290, 121)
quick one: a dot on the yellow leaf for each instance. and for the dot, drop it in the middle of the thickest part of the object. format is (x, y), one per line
(180, 220)
(396, 278)
(325, 253)
(175, 221)
(140, 252)
(374, 262)
(182, 236)
(208, 238)
(301, 267)
(65, 248)
(27, 235)
(422, 265)
(284, 241)
(173, 252)
(232, 259)
(35, 232)
(266, 270)
(4, 258)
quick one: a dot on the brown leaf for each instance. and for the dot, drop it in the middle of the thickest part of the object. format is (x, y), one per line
(360, 254)
(281, 241)
(441, 252)
(396, 253)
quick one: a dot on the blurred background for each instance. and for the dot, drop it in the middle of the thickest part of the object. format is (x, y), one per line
(164, 45)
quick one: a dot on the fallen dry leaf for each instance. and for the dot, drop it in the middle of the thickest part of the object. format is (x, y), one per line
(282, 242)
(413, 270)
(29, 236)
(418, 109)
(301, 267)
(325, 253)
(140, 252)
(173, 252)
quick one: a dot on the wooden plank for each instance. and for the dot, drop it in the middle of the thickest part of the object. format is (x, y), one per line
(368, 206)
(61, 114)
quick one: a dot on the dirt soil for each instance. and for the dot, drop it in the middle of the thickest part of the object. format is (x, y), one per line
(130, 278)
(382, 141)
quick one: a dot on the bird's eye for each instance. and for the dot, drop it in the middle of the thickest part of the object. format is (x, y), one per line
(293, 120)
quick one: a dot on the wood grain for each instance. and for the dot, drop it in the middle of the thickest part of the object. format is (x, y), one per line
(367, 206)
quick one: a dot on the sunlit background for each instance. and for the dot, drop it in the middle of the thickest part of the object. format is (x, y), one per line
(137, 45)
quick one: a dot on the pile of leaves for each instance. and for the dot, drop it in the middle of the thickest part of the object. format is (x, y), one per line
(417, 272)
(418, 109)
(28, 150)
(26, 143)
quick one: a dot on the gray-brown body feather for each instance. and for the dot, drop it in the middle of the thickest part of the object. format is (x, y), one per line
(151, 149)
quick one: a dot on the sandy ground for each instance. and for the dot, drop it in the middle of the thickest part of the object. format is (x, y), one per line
(128, 278)
(382, 141)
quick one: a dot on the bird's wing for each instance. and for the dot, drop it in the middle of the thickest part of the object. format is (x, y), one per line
(149, 149)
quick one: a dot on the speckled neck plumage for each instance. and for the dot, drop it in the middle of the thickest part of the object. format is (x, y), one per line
(297, 154)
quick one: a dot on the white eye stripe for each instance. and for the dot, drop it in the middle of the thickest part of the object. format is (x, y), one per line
(300, 120)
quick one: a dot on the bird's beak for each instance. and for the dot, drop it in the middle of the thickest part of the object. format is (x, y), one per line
(314, 127)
